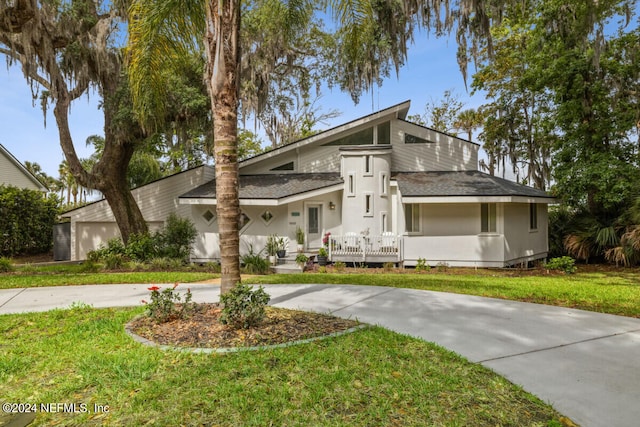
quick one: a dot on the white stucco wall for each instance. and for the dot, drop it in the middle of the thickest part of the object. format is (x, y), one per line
(521, 243)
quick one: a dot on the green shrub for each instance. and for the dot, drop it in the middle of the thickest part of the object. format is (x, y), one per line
(254, 263)
(339, 266)
(175, 240)
(142, 247)
(162, 307)
(422, 265)
(6, 265)
(244, 307)
(213, 267)
(564, 263)
(26, 220)
(388, 267)
(114, 261)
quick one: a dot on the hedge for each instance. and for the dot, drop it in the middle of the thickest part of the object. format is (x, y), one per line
(26, 221)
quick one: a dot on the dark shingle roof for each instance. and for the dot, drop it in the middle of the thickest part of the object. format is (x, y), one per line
(271, 186)
(461, 183)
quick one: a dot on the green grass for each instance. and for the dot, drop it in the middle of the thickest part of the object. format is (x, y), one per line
(79, 274)
(371, 377)
(609, 292)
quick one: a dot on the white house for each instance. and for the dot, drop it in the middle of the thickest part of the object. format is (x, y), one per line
(13, 173)
(385, 189)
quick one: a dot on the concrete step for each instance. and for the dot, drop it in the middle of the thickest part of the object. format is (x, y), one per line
(288, 268)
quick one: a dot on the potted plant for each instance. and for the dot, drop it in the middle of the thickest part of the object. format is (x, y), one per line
(301, 260)
(322, 256)
(282, 248)
(272, 248)
(300, 239)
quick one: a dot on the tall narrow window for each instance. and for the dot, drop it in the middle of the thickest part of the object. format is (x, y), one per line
(488, 217)
(383, 222)
(384, 183)
(351, 184)
(533, 216)
(368, 165)
(368, 204)
(412, 218)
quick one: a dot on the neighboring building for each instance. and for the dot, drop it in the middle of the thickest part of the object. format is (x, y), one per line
(385, 189)
(12, 172)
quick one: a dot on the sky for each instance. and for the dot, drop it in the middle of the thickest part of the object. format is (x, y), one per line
(431, 69)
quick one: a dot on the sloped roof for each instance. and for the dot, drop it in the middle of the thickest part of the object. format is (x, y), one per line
(270, 186)
(36, 182)
(461, 183)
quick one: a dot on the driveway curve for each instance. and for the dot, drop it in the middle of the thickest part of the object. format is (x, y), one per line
(586, 364)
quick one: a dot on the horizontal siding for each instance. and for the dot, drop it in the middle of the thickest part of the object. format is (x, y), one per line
(156, 200)
(444, 153)
(10, 174)
(320, 159)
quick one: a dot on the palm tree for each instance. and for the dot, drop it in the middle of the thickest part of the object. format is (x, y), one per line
(468, 121)
(372, 38)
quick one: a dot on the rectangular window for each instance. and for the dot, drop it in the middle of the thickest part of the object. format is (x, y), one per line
(351, 185)
(368, 204)
(533, 216)
(412, 218)
(384, 183)
(488, 217)
(368, 165)
(383, 222)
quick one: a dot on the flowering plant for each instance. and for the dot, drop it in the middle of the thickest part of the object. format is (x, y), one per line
(326, 239)
(162, 307)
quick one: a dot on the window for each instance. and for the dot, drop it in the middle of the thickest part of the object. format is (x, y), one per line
(209, 216)
(384, 183)
(412, 218)
(364, 137)
(243, 221)
(488, 217)
(285, 167)
(368, 165)
(314, 220)
(368, 204)
(533, 216)
(412, 139)
(267, 217)
(384, 131)
(351, 185)
(383, 222)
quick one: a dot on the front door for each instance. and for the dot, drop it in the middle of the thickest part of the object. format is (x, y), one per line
(314, 226)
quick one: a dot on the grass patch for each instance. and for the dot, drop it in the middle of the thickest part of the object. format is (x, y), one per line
(371, 377)
(608, 292)
(71, 276)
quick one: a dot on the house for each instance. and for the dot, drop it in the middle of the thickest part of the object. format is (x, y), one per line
(377, 189)
(13, 173)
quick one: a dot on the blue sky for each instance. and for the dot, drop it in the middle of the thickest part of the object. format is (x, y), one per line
(430, 70)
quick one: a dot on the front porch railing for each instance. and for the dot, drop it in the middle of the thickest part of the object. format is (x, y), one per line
(369, 247)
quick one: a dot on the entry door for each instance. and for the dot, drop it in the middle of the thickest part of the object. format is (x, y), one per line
(314, 226)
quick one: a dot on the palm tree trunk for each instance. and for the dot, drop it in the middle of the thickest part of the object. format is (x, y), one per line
(223, 59)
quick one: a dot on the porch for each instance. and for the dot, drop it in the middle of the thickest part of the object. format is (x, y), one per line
(354, 247)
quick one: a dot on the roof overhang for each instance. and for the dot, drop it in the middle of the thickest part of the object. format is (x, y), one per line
(266, 202)
(475, 199)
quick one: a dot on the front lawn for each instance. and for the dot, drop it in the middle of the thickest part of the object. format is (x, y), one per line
(614, 292)
(372, 377)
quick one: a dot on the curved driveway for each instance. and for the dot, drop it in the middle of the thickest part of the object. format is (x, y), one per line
(587, 365)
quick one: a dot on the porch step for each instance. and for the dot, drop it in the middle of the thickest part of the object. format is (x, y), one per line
(286, 268)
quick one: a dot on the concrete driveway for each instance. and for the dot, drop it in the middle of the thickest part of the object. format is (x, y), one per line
(587, 365)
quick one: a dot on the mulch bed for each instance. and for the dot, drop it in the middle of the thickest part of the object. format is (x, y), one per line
(202, 328)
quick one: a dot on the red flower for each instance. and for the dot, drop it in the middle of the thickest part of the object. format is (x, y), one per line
(144, 302)
(154, 288)
(175, 285)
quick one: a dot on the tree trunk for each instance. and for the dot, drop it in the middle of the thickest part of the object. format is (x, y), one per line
(223, 59)
(110, 173)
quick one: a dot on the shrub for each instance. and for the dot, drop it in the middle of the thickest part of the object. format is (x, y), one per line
(26, 220)
(388, 267)
(564, 263)
(162, 307)
(254, 263)
(339, 266)
(422, 265)
(113, 261)
(142, 247)
(176, 238)
(244, 307)
(6, 265)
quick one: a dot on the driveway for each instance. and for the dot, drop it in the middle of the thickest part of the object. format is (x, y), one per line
(587, 365)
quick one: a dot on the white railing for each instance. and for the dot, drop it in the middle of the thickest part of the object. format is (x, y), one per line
(358, 245)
